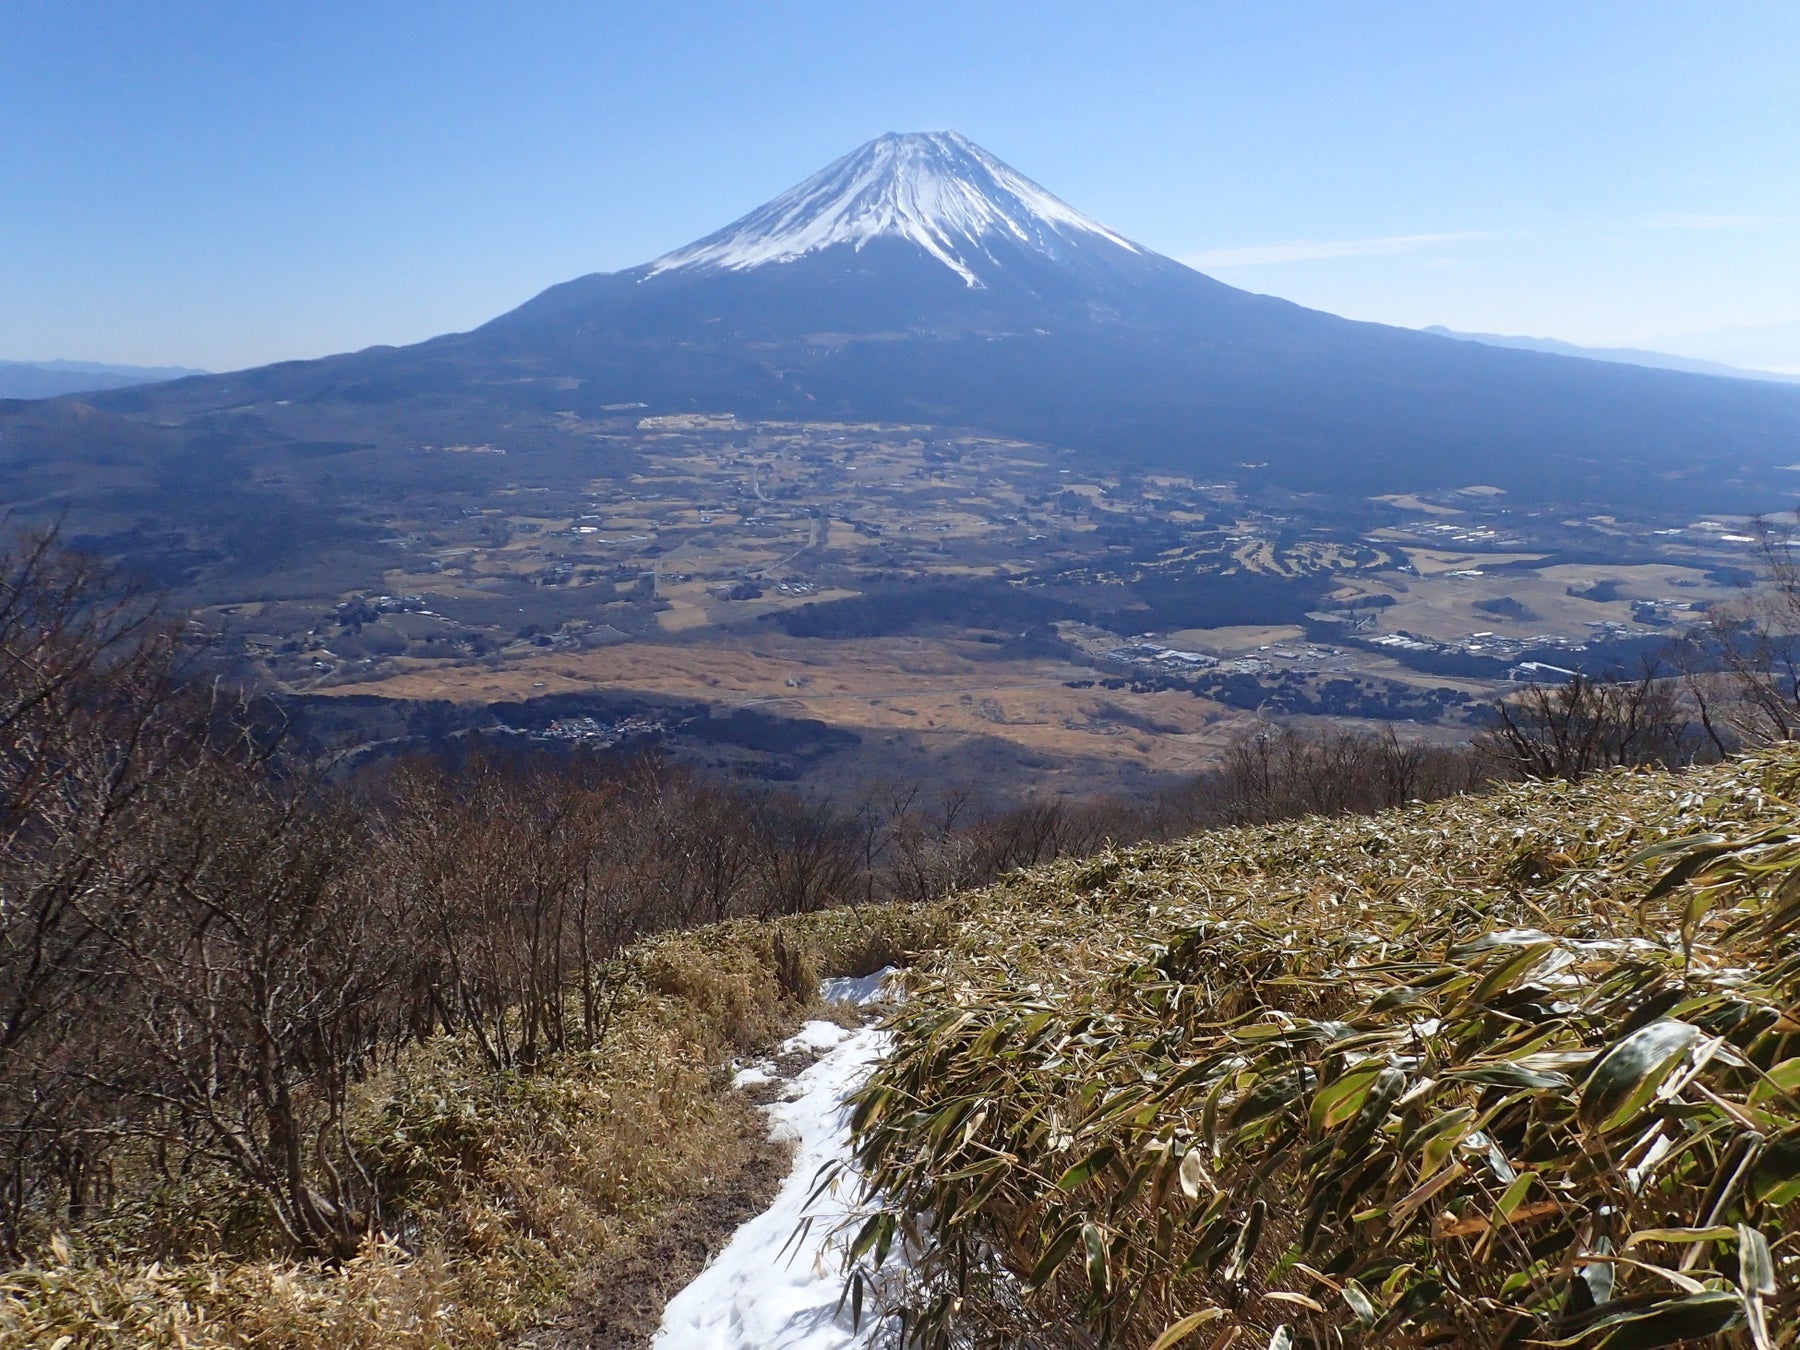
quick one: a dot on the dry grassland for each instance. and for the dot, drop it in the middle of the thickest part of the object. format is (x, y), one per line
(1437, 604)
(928, 688)
(1431, 562)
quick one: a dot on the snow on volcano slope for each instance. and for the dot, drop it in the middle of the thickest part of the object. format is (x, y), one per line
(768, 1290)
(938, 190)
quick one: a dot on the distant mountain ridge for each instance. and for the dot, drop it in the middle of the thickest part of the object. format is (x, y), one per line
(1766, 346)
(1629, 356)
(53, 379)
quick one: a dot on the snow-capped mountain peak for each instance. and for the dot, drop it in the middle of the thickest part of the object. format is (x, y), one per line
(938, 190)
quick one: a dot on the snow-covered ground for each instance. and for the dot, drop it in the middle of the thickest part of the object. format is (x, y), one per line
(768, 1290)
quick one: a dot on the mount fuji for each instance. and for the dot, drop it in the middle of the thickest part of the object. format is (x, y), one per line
(924, 235)
(920, 279)
(941, 192)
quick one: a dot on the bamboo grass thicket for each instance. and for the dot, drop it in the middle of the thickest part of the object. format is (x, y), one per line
(1521, 1069)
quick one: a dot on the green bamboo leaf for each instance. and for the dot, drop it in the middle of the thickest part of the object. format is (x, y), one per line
(1407, 1205)
(870, 1234)
(1678, 1320)
(949, 1117)
(1060, 1246)
(1099, 1271)
(1118, 1105)
(872, 1104)
(975, 1201)
(1393, 999)
(1271, 1094)
(1503, 976)
(1669, 846)
(1629, 1073)
(1756, 1268)
(1189, 1076)
(1504, 1073)
(1360, 1302)
(1275, 1031)
(1437, 1138)
(1775, 1175)
(1512, 1196)
(1782, 1080)
(1209, 1118)
(989, 1041)
(1244, 1249)
(1388, 1085)
(1684, 871)
(1336, 1102)
(1084, 1170)
(1149, 1166)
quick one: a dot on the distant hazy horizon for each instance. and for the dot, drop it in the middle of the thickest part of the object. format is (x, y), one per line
(217, 187)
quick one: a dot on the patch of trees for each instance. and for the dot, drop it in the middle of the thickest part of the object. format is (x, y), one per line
(1220, 600)
(1145, 536)
(887, 611)
(1731, 685)
(1303, 693)
(1363, 602)
(1280, 774)
(1607, 589)
(755, 730)
(1505, 607)
(1151, 601)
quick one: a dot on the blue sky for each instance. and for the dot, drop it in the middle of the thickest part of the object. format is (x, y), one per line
(221, 184)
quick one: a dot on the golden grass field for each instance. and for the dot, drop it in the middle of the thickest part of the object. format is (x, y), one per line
(939, 693)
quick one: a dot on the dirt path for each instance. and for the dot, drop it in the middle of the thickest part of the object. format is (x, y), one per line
(622, 1305)
(779, 1283)
(623, 1300)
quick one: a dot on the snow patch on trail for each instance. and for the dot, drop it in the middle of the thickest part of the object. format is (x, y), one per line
(816, 1037)
(768, 1290)
(862, 990)
(754, 1075)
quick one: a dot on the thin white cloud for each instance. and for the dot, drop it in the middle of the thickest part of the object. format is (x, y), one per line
(1308, 250)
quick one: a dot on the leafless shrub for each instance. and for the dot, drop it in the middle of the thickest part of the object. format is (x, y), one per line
(1742, 672)
(1587, 726)
(1280, 774)
(86, 676)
